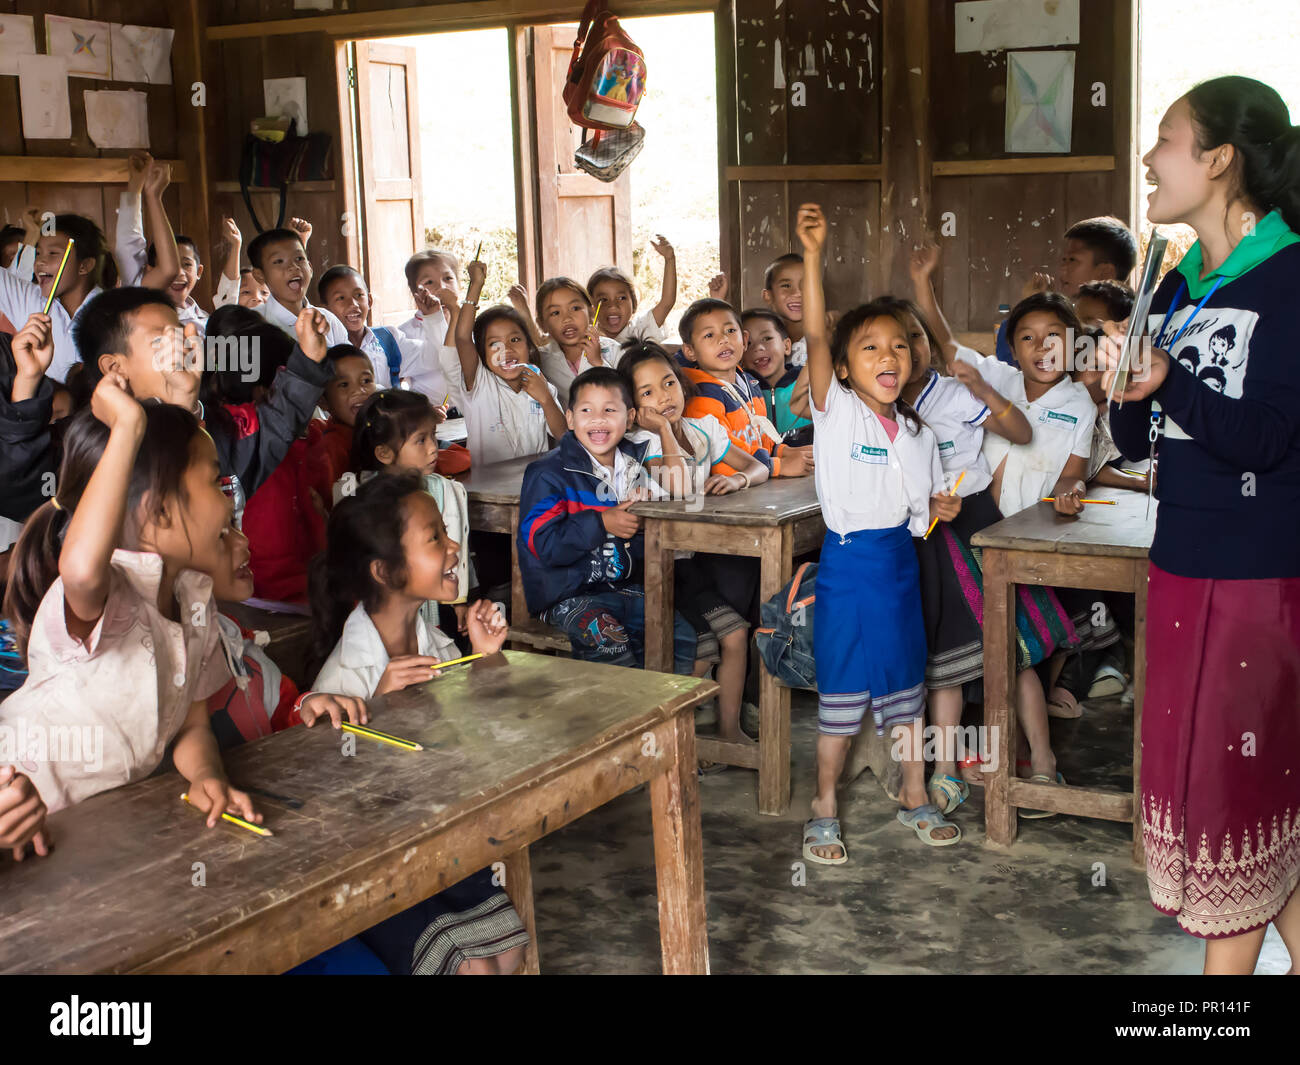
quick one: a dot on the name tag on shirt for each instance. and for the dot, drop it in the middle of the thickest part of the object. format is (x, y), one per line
(876, 455)
(1057, 420)
(533, 406)
(947, 445)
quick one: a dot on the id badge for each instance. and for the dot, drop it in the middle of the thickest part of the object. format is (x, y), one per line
(877, 456)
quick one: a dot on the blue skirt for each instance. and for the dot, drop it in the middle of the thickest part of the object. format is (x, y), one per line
(869, 640)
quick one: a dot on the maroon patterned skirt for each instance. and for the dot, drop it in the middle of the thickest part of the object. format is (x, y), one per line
(1221, 750)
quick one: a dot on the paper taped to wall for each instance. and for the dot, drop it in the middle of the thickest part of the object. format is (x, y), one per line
(994, 25)
(1040, 101)
(17, 37)
(117, 118)
(142, 53)
(43, 97)
(85, 45)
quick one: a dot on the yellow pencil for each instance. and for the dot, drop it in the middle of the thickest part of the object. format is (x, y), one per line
(456, 661)
(477, 250)
(936, 520)
(1135, 473)
(596, 314)
(59, 276)
(185, 797)
(1103, 502)
(382, 737)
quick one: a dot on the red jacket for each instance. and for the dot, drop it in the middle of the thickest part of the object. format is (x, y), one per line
(336, 443)
(285, 519)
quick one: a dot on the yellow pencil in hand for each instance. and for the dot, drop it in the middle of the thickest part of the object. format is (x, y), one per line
(59, 276)
(936, 520)
(185, 797)
(1102, 502)
(457, 661)
(382, 737)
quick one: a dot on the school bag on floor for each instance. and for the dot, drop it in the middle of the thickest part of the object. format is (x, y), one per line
(785, 639)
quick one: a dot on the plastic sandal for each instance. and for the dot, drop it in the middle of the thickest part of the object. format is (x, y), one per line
(1106, 682)
(929, 813)
(1062, 703)
(1038, 815)
(954, 791)
(823, 832)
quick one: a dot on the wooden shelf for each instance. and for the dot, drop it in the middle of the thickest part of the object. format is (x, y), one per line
(79, 170)
(297, 186)
(446, 16)
(841, 172)
(1057, 164)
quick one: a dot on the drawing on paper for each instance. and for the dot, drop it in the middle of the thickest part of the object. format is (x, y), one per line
(85, 45)
(1040, 101)
(995, 25)
(142, 53)
(287, 97)
(43, 97)
(17, 37)
(117, 118)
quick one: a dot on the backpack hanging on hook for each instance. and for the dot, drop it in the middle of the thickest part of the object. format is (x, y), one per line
(607, 73)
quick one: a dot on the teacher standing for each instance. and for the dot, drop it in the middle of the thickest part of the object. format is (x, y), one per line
(1221, 717)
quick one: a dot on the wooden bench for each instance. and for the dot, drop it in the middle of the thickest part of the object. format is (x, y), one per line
(516, 747)
(1105, 548)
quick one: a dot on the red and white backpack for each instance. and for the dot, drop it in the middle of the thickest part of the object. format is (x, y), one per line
(607, 73)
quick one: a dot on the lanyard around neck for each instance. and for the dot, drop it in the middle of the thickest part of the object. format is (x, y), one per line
(1164, 328)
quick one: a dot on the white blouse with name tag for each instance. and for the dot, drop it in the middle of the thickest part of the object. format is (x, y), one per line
(1062, 420)
(957, 419)
(865, 481)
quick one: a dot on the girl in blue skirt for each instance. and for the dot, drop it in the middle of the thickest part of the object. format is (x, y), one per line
(880, 482)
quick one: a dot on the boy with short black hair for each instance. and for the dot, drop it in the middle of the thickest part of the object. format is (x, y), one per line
(783, 293)
(785, 386)
(279, 261)
(581, 549)
(713, 340)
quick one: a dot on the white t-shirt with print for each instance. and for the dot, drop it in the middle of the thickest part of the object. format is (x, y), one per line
(957, 419)
(1061, 419)
(865, 480)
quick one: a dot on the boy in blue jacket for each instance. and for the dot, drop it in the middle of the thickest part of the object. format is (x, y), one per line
(581, 550)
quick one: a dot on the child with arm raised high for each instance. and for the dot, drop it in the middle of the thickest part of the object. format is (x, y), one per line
(615, 295)
(160, 266)
(880, 482)
(564, 313)
(510, 408)
(111, 592)
(230, 287)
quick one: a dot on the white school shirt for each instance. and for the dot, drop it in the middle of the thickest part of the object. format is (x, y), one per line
(126, 688)
(20, 299)
(957, 418)
(418, 327)
(709, 442)
(556, 368)
(865, 480)
(23, 266)
(641, 327)
(1061, 419)
(359, 659)
(130, 248)
(277, 313)
(799, 352)
(500, 423)
(420, 363)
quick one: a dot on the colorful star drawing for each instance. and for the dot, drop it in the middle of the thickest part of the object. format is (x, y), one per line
(1040, 101)
(85, 45)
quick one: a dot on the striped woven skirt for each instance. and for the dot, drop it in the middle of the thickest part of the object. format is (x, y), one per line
(952, 603)
(1221, 750)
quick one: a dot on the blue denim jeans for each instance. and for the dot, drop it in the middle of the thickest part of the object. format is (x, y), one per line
(609, 627)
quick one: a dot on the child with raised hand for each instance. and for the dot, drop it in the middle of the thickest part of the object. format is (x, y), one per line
(433, 276)
(388, 554)
(279, 261)
(680, 453)
(783, 294)
(564, 310)
(510, 407)
(785, 386)
(712, 339)
(581, 549)
(394, 356)
(111, 592)
(135, 332)
(156, 261)
(397, 432)
(880, 482)
(615, 295)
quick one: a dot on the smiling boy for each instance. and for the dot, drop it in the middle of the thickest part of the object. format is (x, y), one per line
(279, 261)
(783, 293)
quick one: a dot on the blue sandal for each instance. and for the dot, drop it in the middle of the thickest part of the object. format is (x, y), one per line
(954, 791)
(823, 832)
(932, 818)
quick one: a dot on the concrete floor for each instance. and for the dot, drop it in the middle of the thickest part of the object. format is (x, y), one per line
(897, 906)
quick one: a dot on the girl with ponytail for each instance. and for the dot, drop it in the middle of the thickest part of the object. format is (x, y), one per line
(1221, 390)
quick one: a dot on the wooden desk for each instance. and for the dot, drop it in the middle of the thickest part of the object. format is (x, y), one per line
(517, 746)
(1106, 549)
(290, 645)
(773, 522)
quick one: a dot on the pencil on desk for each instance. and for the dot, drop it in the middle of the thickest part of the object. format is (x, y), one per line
(59, 276)
(457, 661)
(936, 520)
(382, 737)
(1103, 502)
(185, 797)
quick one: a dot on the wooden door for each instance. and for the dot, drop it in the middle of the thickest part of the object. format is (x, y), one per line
(582, 223)
(389, 127)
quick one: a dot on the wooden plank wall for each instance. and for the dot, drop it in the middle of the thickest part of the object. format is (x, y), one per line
(869, 152)
(169, 112)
